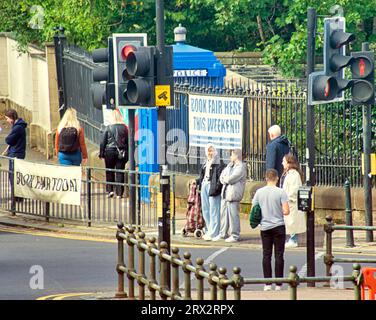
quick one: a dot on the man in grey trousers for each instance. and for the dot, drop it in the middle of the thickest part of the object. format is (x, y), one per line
(233, 178)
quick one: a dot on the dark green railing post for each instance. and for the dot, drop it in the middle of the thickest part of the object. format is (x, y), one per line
(293, 284)
(222, 285)
(175, 273)
(238, 283)
(120, 293)
(153, 269)
(357, 280)
(88, 199)
(12, 196)
(200, 279)
(187, 276)
(213, 285)
(131, 263)
(328, 259)
(141, 266)
(47, 211)
(163, 249)
(349, 219)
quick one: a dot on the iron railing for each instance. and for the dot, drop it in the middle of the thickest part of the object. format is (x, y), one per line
(329, 258)
(95, 207)
(218, 282)
(338, 127)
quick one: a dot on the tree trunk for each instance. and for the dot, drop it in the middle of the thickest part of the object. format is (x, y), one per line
(260, 29)
(374, 26)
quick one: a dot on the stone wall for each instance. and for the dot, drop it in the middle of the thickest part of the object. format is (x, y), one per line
(28, 85)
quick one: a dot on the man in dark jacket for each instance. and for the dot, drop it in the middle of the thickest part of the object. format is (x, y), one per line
(276, 149)
(16, 140)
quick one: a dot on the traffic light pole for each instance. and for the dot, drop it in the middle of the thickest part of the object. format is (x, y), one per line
(132, 166)
(310, 153)
(164, 180)
(367, 163)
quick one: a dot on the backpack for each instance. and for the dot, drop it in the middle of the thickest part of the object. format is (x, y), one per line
(255, 216)
(68, 140)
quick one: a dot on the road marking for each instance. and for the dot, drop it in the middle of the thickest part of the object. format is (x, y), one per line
(207, 261)
(62, 296)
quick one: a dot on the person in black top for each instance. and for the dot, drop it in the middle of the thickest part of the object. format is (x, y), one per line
(114, 151)
(16, 141)
(211, 188)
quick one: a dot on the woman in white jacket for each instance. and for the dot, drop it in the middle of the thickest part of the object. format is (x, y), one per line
(290, 181)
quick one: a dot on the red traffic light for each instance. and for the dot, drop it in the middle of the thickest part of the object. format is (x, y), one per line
(126, 50)
(324, 88)
(362, 67)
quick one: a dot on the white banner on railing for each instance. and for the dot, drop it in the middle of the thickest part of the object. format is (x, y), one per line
(50, 183)
(218, 120)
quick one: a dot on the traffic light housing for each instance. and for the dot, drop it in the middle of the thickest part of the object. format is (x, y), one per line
(328, 85)
(363, 75)
(141, 67)
(124, 44)
(102, 88)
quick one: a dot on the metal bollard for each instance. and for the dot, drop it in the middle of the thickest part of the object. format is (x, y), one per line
(175, 273)
(357, 281)
(152, 275)
(131, 268)
(238, 283)
(120, 293)
(200, 279)
(294, 281)
(213, 285)
(222, 286)
(141, 266)
(187, 276)
(349, 220)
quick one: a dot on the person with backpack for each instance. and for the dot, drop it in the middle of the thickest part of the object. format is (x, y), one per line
(114, 150)
(276, 149)
(273, 202)
(70, 140)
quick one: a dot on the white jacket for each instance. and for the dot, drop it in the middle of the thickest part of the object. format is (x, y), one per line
(296, 221)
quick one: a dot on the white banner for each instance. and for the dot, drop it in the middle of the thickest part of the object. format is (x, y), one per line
(218, 120)
(50, 183)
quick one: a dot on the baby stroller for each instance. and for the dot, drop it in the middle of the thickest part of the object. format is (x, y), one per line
(195, 223)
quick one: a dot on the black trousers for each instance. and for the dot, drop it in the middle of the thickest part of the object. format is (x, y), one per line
(276, 238)
(112, 162)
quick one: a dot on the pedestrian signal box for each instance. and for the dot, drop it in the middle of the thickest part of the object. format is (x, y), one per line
(305, 198)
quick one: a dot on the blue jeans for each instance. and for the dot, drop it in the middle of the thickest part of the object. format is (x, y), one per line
(211, 207)
(70, 159)
(294, 238)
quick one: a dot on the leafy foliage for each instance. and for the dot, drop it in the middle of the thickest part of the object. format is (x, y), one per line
(277, 27)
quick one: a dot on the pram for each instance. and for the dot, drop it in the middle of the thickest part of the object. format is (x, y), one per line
(195, 223)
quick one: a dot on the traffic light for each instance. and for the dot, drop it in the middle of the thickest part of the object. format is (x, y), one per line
(328, 85)
(103, 93)
(140, 67)
(124, 44)
(363, 75)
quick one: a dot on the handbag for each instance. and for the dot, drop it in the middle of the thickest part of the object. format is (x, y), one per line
(121, 152)
(255, 216)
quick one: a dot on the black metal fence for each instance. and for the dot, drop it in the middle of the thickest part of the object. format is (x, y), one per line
(338, 127)
(96, 205)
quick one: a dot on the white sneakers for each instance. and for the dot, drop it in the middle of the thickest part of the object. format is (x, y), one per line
(291, 244)
(268, 287)
(207, 237)
(231, 239)
(217, 238)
